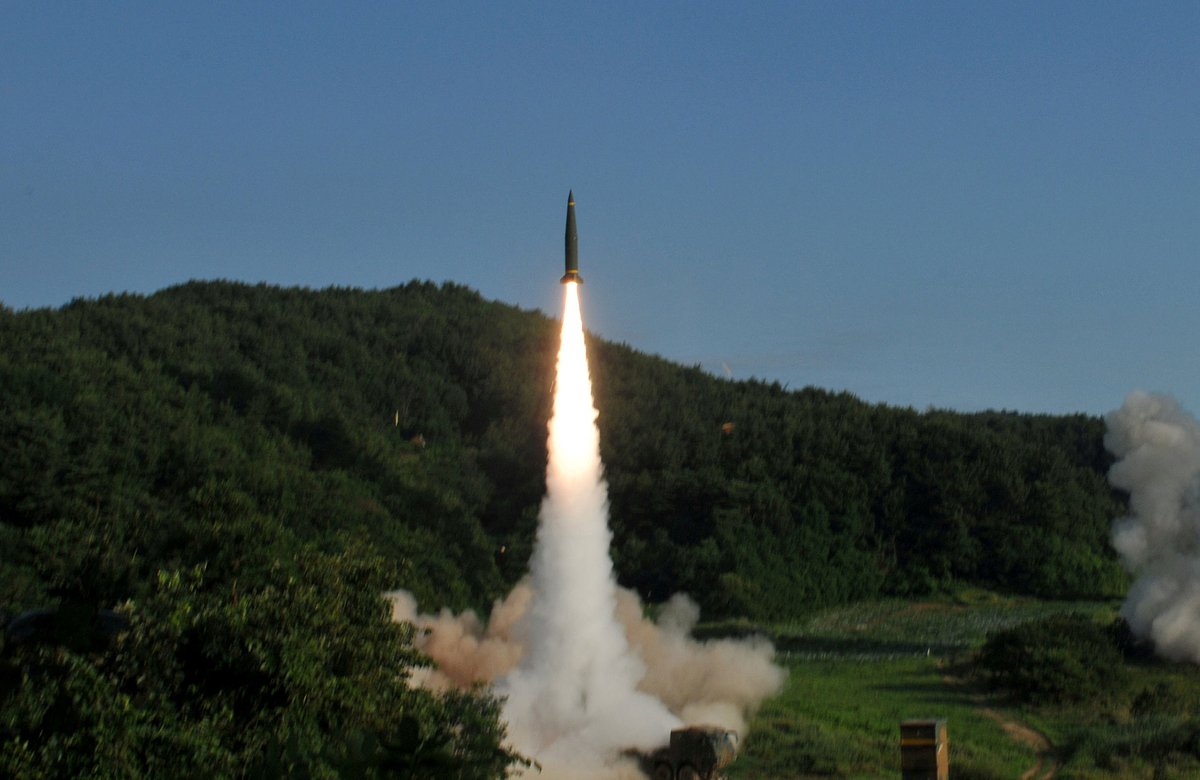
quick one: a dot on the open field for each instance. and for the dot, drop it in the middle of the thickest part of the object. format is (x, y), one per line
(840, 718)
(856, 672)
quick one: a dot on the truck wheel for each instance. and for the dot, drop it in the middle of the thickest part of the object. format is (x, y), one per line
(662, 771)
(687, 772)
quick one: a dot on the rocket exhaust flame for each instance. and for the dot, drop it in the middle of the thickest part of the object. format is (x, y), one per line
(574, 443)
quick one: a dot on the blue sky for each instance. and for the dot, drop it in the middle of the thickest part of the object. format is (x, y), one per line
(962, 205)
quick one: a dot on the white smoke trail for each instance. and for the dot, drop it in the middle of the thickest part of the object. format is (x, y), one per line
(573, 699)
(586, 677)
(1158, 449)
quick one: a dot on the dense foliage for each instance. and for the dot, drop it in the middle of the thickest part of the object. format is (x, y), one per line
(1064, 658)
(213, 460)
(205, 462)
(289, 669)
(418, 414)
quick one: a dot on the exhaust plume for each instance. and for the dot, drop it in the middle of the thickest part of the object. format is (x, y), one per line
(1158, 449)
(584, 675)
(574, 694)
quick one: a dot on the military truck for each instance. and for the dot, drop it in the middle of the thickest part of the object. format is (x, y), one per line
(694, 753)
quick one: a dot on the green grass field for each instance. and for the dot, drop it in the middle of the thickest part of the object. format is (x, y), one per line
(856, 672)
(841, 718)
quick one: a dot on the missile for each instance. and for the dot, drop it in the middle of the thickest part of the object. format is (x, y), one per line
(572, 274)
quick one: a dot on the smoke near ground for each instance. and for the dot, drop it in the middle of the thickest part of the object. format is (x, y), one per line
(1157, 445)
(716, 682)
(584, 676)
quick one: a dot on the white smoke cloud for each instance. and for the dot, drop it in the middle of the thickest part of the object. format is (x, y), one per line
(1158, 449)
(584, 677)
(716, 682)
(719, 682)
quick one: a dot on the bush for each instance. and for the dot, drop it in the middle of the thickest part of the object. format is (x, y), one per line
(293, 668)
(1065, 658)
(1165, 740)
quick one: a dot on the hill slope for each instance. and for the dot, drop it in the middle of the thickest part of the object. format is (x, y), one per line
(416, 417)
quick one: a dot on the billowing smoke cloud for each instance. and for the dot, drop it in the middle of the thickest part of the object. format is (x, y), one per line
(715, 682)
(719, 682)
(584, 677)
(1158, 449)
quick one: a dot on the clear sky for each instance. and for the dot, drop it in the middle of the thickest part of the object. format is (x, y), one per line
(967, 204)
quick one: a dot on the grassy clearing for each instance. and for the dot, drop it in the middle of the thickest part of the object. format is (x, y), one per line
(856, 672)
(841, 718)
(897, 628)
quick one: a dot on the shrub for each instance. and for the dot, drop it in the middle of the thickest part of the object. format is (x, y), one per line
(1064, 658)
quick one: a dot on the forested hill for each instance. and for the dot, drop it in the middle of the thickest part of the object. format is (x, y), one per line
(139, 433)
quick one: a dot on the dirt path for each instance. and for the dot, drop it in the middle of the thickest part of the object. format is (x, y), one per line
(1047, 764)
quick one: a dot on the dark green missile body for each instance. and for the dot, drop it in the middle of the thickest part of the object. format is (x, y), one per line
(572, 274)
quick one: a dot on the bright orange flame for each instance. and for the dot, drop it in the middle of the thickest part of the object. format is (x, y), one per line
(574, 440)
